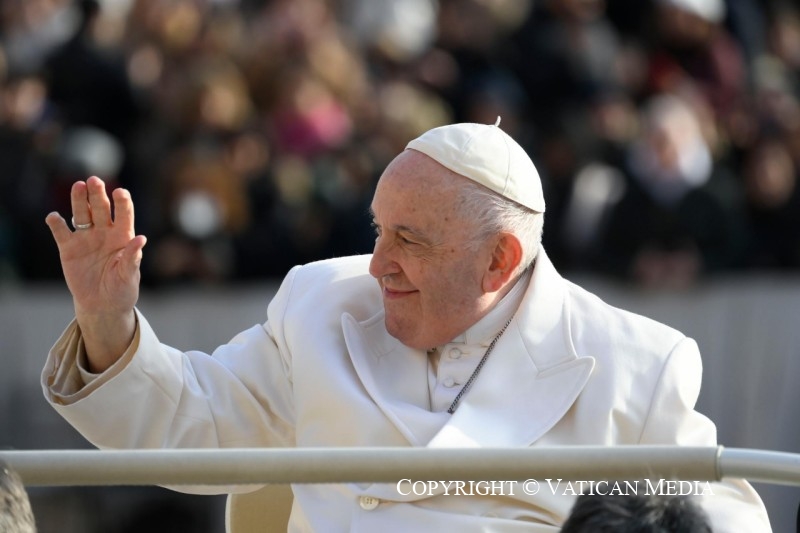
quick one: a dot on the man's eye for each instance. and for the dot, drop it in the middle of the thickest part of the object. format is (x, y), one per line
(376, 229)
(406, 241)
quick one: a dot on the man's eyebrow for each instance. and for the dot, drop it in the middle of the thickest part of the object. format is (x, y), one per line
(403, 228)
(413, 231)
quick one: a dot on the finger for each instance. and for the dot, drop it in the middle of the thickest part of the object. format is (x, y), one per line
(123, 209)
(99, 204)
(58, 227)
(80, 203)
(132, 254)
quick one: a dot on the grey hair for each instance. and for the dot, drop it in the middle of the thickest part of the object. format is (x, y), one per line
(491, 214)
(16, 515)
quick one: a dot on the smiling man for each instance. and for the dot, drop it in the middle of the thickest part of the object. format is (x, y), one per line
(438, 272)
(457, 331)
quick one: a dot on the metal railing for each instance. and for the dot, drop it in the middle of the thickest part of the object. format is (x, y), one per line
(241, 466)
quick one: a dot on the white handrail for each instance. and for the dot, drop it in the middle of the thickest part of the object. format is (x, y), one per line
(350, 465)
(778, 468)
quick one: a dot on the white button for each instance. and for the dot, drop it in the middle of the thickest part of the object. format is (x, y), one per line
(449, 382)
(368, 503)
(455, 353)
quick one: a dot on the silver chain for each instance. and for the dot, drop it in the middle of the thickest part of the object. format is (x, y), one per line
(468, 384)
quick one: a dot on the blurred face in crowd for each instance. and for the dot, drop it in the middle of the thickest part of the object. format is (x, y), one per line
(427, 260)
(769, 175)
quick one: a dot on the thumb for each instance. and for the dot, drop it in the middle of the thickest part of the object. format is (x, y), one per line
(58, 227)
(131, 256)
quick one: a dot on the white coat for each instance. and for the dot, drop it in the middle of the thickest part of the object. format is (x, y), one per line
(323, 371)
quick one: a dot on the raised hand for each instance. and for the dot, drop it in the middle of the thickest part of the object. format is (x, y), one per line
(100, 260)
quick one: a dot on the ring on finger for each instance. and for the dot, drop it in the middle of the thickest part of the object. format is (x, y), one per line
(81, 226)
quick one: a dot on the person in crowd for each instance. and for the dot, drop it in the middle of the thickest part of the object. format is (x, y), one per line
(675, 221)
(772, 206)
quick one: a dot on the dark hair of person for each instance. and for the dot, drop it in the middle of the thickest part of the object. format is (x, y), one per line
(595, 513)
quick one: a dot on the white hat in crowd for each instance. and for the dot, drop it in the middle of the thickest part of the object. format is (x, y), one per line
(709, 10)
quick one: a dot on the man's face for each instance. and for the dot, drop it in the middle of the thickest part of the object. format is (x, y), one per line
(424, 258)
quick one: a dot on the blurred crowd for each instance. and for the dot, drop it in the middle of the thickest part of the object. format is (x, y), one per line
(251, 133)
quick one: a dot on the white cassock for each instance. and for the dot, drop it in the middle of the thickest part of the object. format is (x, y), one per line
(323, 371)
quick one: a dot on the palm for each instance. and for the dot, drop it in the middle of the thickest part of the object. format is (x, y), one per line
(100, 264)
(91, 261)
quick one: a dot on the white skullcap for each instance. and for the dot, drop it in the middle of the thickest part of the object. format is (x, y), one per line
(486, 155)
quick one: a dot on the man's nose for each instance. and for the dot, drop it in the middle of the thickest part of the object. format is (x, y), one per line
(381, 263)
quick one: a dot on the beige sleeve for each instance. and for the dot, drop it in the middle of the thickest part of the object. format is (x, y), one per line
(66, 378)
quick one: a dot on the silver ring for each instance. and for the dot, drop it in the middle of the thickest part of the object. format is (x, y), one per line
(81, 226)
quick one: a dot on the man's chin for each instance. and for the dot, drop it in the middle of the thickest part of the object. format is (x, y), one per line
(404, 334)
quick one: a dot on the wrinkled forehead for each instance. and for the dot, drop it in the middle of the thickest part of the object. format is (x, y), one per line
(416, 190)
(413, 170)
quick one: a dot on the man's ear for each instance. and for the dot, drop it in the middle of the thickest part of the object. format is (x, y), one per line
(506, 257)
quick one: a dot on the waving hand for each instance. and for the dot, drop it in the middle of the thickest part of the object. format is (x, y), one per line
(100, 260)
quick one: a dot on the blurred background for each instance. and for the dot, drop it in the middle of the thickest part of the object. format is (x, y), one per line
(251, 134)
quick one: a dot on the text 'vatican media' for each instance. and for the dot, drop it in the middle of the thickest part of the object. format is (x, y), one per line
(557, 487)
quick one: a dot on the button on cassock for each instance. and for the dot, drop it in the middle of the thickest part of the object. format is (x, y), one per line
(368, 503)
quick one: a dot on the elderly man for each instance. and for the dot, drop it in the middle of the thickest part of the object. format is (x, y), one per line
(469, 338)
